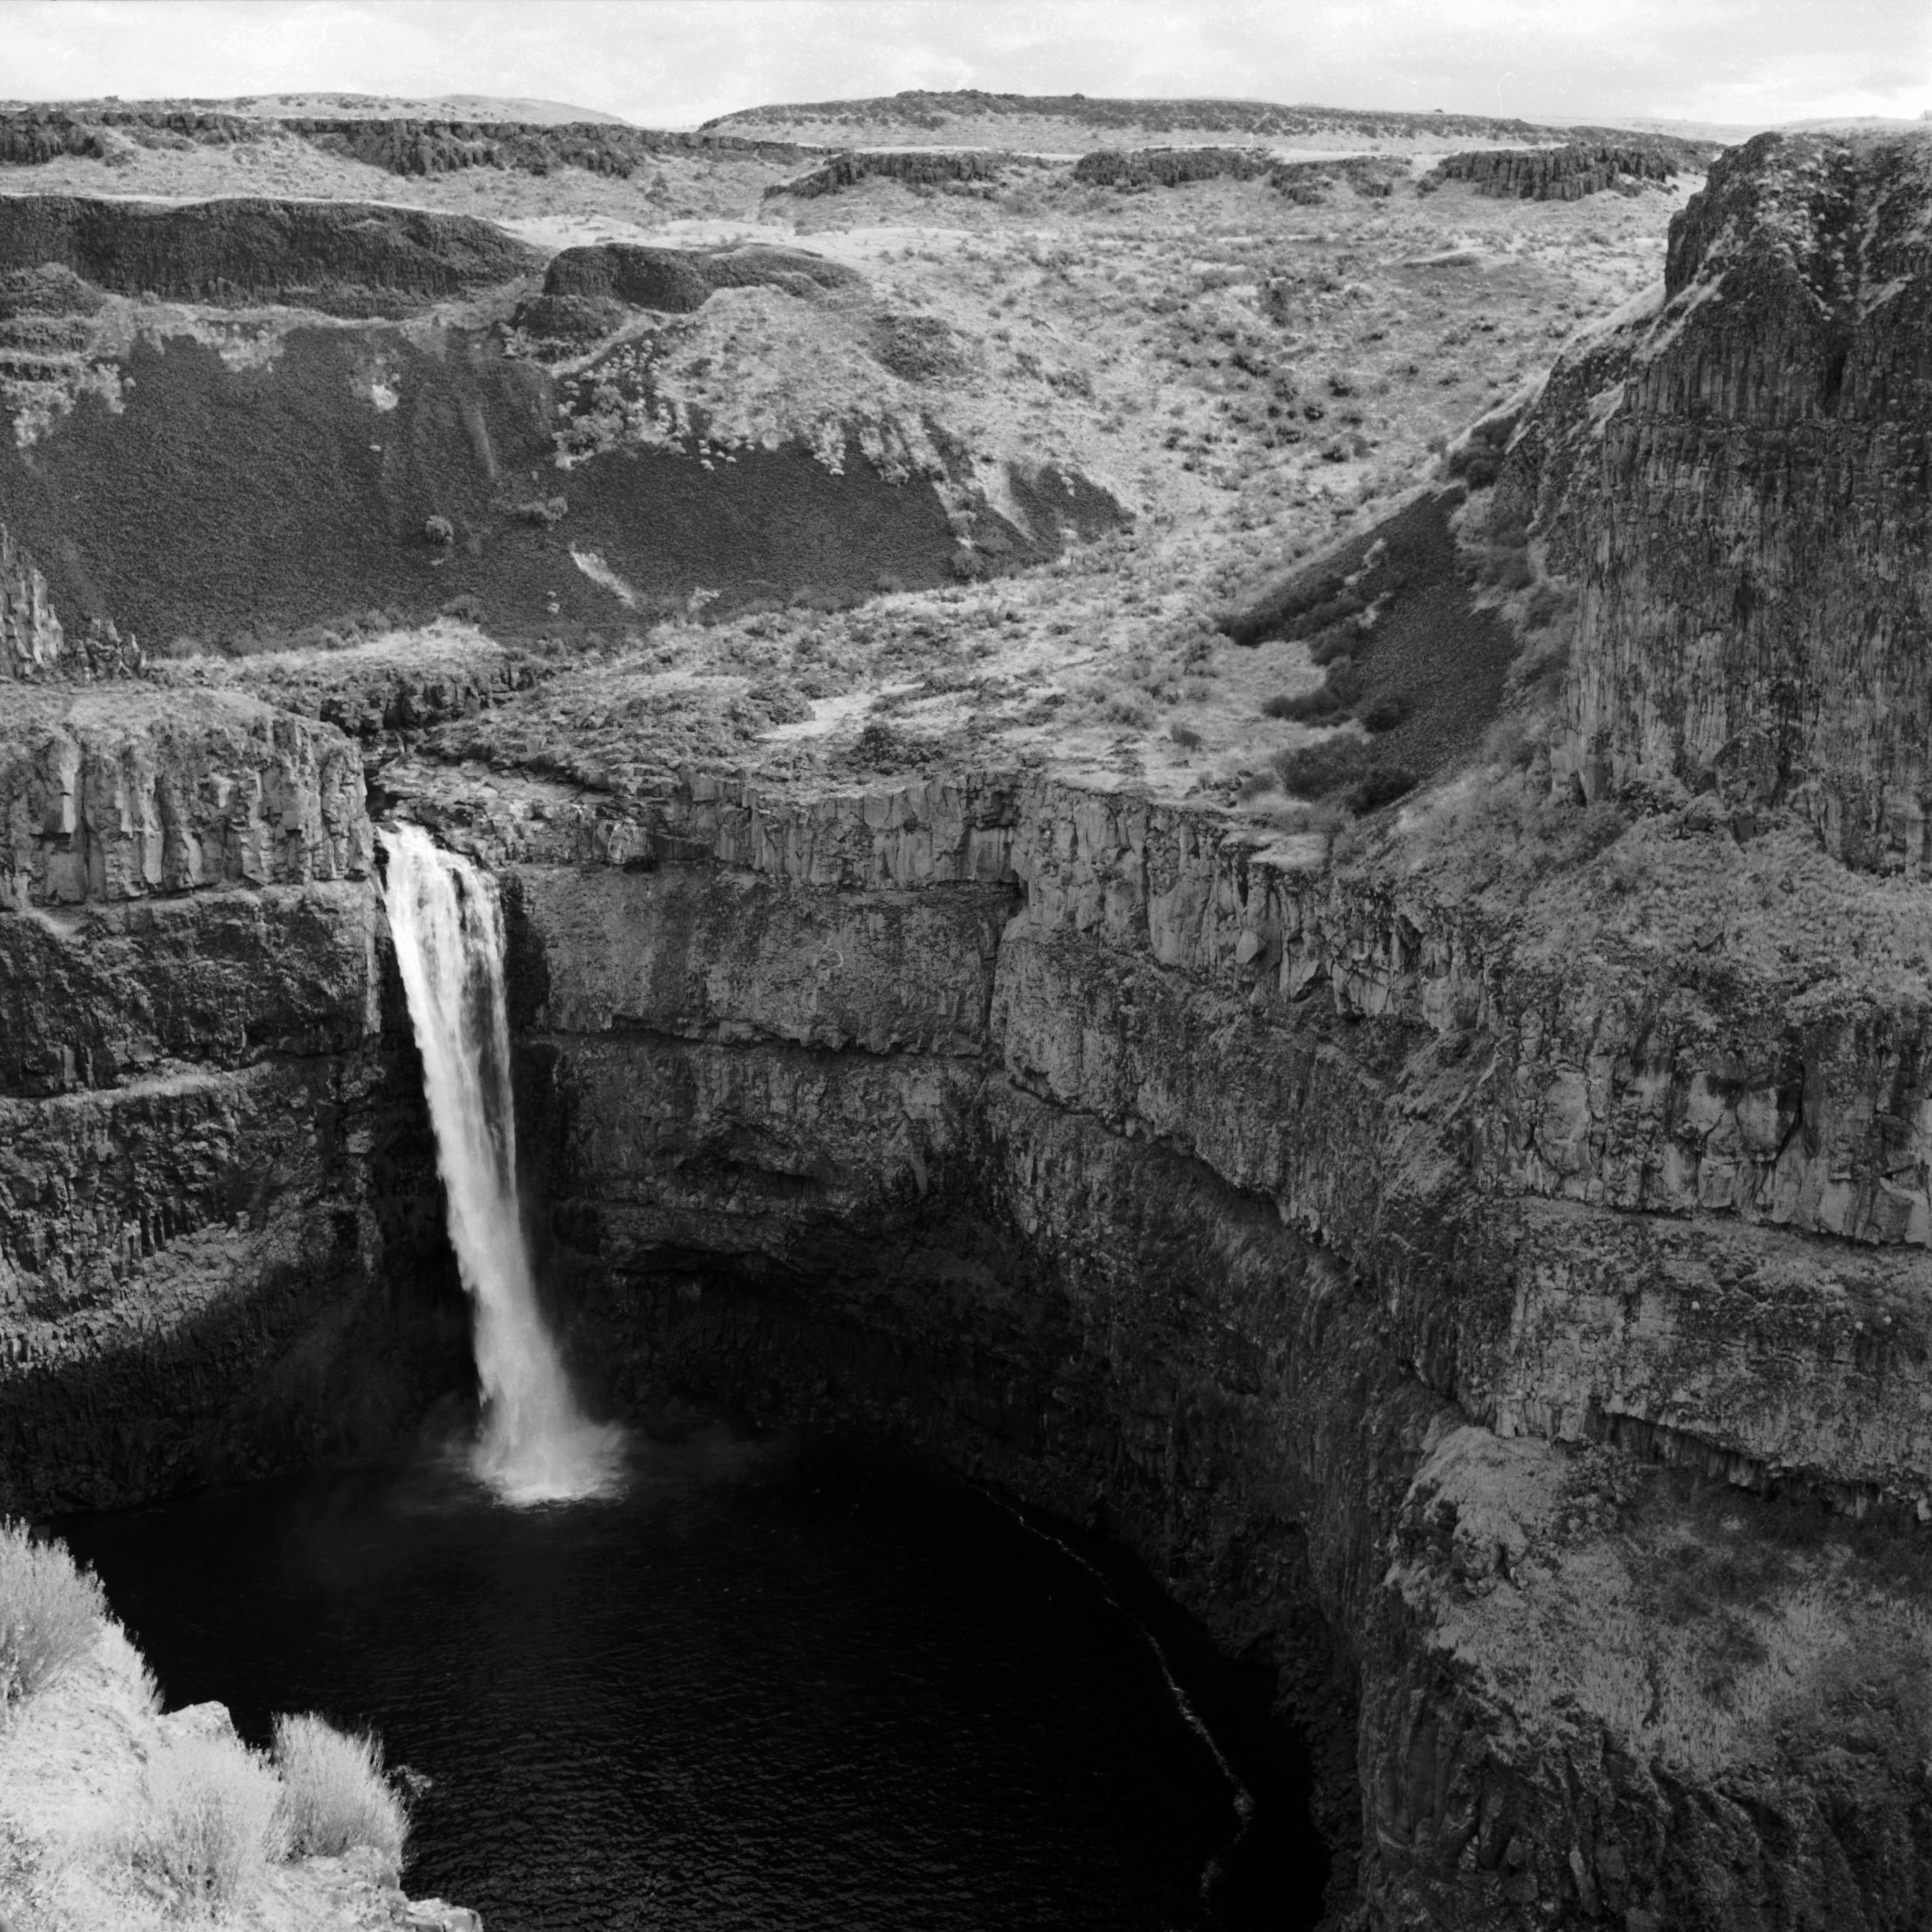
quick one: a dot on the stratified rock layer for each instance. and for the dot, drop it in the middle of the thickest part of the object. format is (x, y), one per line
(1739, 477)
(218, 1247)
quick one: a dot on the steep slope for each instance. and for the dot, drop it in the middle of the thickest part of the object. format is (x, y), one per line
(219, 469)
(336, 256)
(1736, 474)
(212, 1175)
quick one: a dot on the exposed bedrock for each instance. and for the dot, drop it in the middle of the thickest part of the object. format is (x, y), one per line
(681, 279)
(1349, 1259)
(31, 640)
(220, 1249)
(1354, 1260)
(1738, 477)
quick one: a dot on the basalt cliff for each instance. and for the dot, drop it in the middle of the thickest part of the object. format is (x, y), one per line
(1476, 1257)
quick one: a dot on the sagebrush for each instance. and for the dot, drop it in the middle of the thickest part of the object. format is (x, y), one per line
(51, 1611)
(335, 1794)
(211, 1821)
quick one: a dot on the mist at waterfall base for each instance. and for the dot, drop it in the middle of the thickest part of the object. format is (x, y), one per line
(535, 1445)
(776, 1683)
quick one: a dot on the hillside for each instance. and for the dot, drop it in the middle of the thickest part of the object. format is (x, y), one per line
(1073, 123)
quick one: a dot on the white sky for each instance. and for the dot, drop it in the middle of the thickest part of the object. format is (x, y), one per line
(671, 63)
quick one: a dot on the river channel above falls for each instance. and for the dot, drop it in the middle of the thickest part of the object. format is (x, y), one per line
(777, 1683)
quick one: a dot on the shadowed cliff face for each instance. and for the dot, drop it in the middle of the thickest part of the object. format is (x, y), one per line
(1738, 475)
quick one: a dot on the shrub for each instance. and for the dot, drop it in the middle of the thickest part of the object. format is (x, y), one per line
(51, 1611)
(335, 1794)
(1346, 683)
(1384, 713)
(1337, 641)
(1382, 784)
(211, 1820)
(1319, 769)
(1304, 708)
(1184, 735)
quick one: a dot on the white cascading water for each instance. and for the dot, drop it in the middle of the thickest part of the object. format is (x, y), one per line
(535, 1444)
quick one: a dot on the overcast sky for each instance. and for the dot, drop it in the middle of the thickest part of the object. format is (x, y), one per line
(675, 62)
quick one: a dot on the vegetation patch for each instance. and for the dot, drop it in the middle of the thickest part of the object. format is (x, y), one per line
(236, 509)
(51, 1611)
(334, 1792)
(350, 259)
(1393, 616)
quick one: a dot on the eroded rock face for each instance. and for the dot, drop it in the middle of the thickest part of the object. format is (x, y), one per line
(109, 797)
(1738, 476)
(1091, 1146)
(681, 280)
(1307, 1232)
(342, 257)
(219, 1248)
(31, 641)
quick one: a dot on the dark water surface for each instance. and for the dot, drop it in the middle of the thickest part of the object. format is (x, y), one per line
(784, 1685)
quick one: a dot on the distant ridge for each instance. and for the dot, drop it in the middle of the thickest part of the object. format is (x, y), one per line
(320, 104)
(922, 118)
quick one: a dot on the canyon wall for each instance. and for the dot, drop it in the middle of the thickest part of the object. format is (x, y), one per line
(1737, 475)
(219, 1249)
(1321, 1236)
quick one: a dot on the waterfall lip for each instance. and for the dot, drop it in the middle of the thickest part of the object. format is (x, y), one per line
(535, 1444)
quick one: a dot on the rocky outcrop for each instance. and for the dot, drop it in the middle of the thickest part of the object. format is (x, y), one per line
(109, 798)
(919, 168)
(31, 136)
(1735, 472)
(920, 115)
(1576, 168)
(342, 257)
(679, 280)
(1169, 168)
(31, 641)
(1138, 168)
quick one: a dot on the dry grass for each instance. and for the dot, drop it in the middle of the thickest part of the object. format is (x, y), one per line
(335, 1795)
(51, 1611)
(210, 1823)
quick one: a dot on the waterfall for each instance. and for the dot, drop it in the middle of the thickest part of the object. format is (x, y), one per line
(535, 1444)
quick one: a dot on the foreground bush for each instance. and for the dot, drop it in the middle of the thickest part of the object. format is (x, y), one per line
(51, 1611)
(211, 1821)
(335, 1794)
